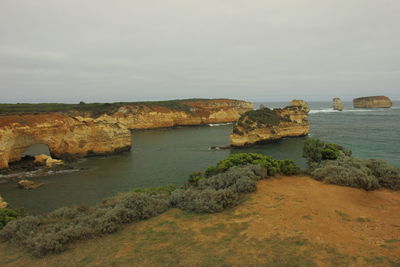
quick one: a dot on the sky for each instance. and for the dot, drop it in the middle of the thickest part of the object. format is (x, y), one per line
(259, 50)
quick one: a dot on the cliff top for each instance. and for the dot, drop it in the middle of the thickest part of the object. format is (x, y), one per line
(380, 97)
(103, 108)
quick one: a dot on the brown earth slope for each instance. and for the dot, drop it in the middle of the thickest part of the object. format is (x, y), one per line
(290, 221)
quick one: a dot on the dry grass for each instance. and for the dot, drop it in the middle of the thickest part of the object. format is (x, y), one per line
(292, 221)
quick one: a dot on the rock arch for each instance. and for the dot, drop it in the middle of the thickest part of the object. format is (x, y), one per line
(63, 134)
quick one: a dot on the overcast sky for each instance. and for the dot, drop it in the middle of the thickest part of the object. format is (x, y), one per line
(96, 50)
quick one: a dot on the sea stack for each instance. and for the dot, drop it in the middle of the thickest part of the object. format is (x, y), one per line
(337, 104)
(372, 102)
(268, 125)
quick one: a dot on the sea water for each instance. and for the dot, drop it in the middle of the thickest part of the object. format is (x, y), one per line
(167, 156)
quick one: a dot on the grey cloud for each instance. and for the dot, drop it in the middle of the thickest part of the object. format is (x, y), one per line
(136, 50)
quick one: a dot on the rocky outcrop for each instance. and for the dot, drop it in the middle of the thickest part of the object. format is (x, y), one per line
(3, 204)
(337, 104)
(372, 102)
(266, 125)
(65, 136)
(28, 185)
(142, 116)
(47, 161)
(99, 129)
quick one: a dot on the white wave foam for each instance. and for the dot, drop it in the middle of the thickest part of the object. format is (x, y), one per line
(328, 110)
(219, 124)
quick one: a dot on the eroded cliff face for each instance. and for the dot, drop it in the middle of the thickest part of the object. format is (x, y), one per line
(372, 102)
(266, 125)
(195, 113)
(80, 134)
(64, 135)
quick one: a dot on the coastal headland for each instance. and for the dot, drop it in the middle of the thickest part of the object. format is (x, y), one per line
(267, 125)
(81, 130)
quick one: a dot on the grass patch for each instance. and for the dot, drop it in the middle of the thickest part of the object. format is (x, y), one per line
(344, 216)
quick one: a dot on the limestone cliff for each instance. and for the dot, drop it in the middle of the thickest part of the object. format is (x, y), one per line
(266, 125)
(337, 104)
(92, 129)
(65, 136)
(142, 116)
(372, 102)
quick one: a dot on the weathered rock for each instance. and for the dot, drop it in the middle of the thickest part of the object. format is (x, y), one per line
(64, 135)
(75, 134)
(3, 204)
(372, 102)
(47, 161)
(337, 104)
(301, 103)
(266, 125)
(197, 113)
(28, 185)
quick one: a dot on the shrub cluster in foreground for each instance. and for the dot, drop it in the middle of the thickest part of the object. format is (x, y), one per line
(273, 167)
(8, 215)
(234, 176)
(333, 164)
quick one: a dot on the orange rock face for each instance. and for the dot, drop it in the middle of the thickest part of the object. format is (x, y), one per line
(198, 113)
(372, 102)
(81, 135)
(270, 125)
(64, 135)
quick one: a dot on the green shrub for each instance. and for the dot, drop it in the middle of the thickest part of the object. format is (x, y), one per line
(167, 189)
(204, 201)
(241, 159)
(288, 167)
(388, 176)
(53, 232)
(229, 179)
(7, 215)
(316, 151)
(194, 178)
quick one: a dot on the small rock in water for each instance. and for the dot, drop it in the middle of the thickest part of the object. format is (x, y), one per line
(29, 185)
(337, 104)
(3, 204)
(47, 160)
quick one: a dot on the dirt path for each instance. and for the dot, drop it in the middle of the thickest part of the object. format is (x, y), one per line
(290, 221)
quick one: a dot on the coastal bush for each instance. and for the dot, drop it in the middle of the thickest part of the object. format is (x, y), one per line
(167, 189)
(204, 201)
(316, 151)
(388, 176)
(194, 178)
(8, 215)
(53, 232)
(272, 166)
(229, 179)
(288, 167)
(222, 188)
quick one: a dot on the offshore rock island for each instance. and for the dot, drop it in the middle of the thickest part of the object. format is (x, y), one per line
(266, 125)
(372, 102)
(81, 130)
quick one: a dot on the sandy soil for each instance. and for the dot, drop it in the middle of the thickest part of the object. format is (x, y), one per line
(289, 221)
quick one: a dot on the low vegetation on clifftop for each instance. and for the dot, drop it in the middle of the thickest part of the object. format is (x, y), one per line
(220, 189)
(216, 189)
(96, 109)
(333, 164)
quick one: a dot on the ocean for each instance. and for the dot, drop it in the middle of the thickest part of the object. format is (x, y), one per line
(167, 156)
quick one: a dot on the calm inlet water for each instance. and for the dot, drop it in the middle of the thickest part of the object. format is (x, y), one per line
(167, 156)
